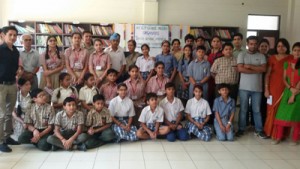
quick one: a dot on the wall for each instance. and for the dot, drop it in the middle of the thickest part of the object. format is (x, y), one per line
(220, 12)
(186, 12)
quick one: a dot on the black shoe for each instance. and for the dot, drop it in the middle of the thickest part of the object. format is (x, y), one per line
(54, 148)
(260, 134)
(11, 141)
(4, 148)
(81, 147)
(239, 133)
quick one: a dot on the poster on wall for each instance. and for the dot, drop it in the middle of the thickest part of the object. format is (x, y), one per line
(153, 35)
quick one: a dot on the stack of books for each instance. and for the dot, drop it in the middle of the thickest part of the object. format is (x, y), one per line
(223, 33)
(26, 29)
(41, 40)
(102, 30)
(69, 29)
(50, 29)
(200, 32)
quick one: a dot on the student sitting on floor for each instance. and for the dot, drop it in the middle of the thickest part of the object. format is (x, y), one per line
(224, 108)
(122, 112)
(198, 112)
(99, 122)
(151, 118)
(39, 119)
(87, 92)
(68, 128)
(173, 108)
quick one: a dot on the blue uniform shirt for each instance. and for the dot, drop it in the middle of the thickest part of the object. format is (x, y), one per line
(224, 109)
(169, 61)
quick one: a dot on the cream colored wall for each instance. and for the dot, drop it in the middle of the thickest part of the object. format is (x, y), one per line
(294, 24)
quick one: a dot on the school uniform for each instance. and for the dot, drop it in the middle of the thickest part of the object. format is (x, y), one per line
(135, 89)
(77, 59)
(97, 120)
(225, 109)
(68, 127)
(183, 69)
(171, 112)
(157, 86)
(64, 93)
(24, 103)
(150, 118)
(145, 65)
(169, 61)
(198, 110)
(86, 94)
(109, 92)
(99, 62)
(39, 116)
(52, 63)
(122, 110)
(199, 70)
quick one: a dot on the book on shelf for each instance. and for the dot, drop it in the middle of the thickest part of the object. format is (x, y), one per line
(69, 29)
(41, 49)
(26, 29)
(223, 33)
(41, 40)
(200, 32)
(51, 29)
(101, 30)
(105, 42)
(67, 41)
(18, 41)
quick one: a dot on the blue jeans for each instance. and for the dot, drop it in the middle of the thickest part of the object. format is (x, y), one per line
(181, 134)
(220, 135)
(255, 103)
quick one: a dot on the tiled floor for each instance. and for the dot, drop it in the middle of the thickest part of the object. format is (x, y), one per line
(246, 152)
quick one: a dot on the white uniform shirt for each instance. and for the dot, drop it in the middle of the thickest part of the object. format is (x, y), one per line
(121, 107)
(197, 108)
(147, 116)
(145, 65)
(86, 94)
(171, 110)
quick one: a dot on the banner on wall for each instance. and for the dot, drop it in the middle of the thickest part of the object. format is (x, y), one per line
(153, 35)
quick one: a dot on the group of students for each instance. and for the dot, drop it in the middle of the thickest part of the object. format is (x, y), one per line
(97, 100)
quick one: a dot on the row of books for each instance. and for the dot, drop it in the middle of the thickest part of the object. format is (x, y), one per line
(101, 30)
(223, 33)
(25, 29)
(200, 32)
(47, 28)
(42, 40)
(69, 29)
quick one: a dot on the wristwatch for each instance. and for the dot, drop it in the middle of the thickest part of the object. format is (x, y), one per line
(229, 123)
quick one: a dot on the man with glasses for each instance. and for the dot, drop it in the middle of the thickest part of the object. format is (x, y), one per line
(29, 59)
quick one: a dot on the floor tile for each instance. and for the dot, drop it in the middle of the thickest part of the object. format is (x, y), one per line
(182, 165)
(54, 165)
(175, 147)
(106, 164)
(267, 156)
(245, 155)
(223, 155)
(128, 146)
(207, 164)
(279, 164)
(132, 165)
(7, 165)
(215, 147)
(152, 147)
(61, 156)
(132, 156)
(198, 156)
(255, 164)
(181, 156)
(81, 165)
(231, 164)
(108, 156)
(155, 156)
(190, 148)
(294, 163)
(157, 165)
(28, 165)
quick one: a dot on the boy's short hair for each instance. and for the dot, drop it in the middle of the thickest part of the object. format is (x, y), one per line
(86, 31)
(98, 97)
(159, 63)
(201, 48)
(227, 44)
(68, 100)
(109, 71)
(151, 95)
(22, 81)
(35, 92)
(170, 85)
(252, 38)
(132, 67)
(198, 87)
(5, 29)
(189, 36)
(87, 76)
(239, 35)
(122, 85)
(76, 33)
(223, 85)
(200, 37)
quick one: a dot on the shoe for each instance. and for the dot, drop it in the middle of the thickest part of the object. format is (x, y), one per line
(4, 148)
(54, 148)
(260, 134)
(11, 141)
(293, 143)
(239, 133)
(275, 142)
(81, 147)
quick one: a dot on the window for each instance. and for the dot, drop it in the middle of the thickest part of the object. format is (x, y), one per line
(262, 22)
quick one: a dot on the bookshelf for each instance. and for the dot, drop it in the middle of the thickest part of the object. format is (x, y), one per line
(225, 32)
(61, 30)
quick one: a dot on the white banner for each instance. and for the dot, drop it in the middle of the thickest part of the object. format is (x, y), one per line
(152, 35)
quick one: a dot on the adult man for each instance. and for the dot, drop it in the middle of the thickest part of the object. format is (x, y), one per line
(117, 56)
(9, 61)
(237, 43)
(87, 41)
(251, 65)
(29, 60)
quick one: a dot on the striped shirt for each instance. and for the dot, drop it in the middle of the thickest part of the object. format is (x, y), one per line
(40, 116)
(67, 123)
(96, 119)
(225, 70)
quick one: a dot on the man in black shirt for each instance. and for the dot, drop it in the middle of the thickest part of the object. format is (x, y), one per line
(9, 64)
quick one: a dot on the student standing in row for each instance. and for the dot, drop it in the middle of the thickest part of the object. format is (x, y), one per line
(237, 43)
(87, 42)
(145, 63)
(168, 59)
(76, 60)
(53, 63)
